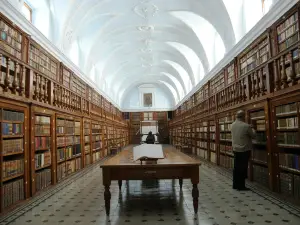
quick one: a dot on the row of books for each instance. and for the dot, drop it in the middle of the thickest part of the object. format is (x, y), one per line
(97, 145)
(96, 156)
(212, 146)
(42, 142)
(288, 138)
(288, 32)
(261, 175)
(260, 138)
(42, 119)
(288, 108)
(288, 42)
(72, 151)
(260, 155)
(226, 161)
(202, 153)
(61, 171)
(200, 135)
(217, 83)
(226, 148)
(287, 123)
(288, 22)
(73, 165)
(42, 129)
(86, 139)
(213, 157)
(8, 48)
(87, 160)
(12, 115)
(68, 130)
(201, 144)
(96, 138)
(12, 168)
(42, 159)
(12, 146)
(290, 161)
(225, 136)
(87, 148)
(12, 128)
(13, 192)
(10, 40)
(42, 179)
(260, 125)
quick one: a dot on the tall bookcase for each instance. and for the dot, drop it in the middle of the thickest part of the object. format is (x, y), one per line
(69, 157)
(42, 154)
(14, 154)
(287, 145)
(87, 142)
(212, 141)
(225, 140)
(258, 167)
(96, 145)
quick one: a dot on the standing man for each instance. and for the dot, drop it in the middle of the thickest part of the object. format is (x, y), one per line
(242, 135)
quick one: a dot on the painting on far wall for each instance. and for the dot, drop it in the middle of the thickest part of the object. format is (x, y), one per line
(147, 99)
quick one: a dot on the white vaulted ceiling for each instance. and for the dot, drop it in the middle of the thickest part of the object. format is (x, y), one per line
(122, 44)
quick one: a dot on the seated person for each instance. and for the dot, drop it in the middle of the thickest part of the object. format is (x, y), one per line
(150, 138)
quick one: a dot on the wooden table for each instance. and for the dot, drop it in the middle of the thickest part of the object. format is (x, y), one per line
(175, 165)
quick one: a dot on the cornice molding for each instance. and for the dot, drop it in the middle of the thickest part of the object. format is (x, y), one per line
(18, 19)
(278, 10)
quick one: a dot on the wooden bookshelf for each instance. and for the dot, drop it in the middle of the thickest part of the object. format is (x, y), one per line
(255, 55)
(14, 155)
(225, 140)
(264, 81)
(40, 60)
(42, 155)
(11, 39)
(87, 142)
(287, 32)
(48, 143)
(217, 83)
(97, 144)
(259, 157)
(78, 86)
(65, 76)
(69, 157)
(212, 141)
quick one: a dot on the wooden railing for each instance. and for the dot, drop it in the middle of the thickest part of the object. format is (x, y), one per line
(19, 79)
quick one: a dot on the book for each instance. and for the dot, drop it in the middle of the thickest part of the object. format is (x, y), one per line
(148, 151)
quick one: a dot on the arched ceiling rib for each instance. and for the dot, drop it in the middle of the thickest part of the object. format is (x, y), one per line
(135, 41)
(120, 80)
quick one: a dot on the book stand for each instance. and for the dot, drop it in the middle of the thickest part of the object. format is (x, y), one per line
(148, 160)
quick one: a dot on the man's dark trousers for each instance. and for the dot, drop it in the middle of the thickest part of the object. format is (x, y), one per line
(240, 169)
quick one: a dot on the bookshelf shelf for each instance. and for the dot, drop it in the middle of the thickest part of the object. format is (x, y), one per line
(13, 153)
(43, 167)
(12, 136)
(12, 177)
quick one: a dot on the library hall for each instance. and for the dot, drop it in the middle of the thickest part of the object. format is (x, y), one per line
(155, 112)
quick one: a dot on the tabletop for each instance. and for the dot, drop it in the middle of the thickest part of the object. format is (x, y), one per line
(172, 158)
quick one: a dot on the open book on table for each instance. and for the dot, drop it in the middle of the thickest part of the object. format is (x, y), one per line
(148, 152)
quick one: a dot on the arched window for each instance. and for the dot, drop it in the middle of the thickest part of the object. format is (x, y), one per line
(27, 11)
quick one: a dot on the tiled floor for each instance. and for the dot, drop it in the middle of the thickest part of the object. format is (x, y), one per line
(151, 202)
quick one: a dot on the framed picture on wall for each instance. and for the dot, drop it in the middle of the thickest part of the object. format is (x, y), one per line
(147, 99)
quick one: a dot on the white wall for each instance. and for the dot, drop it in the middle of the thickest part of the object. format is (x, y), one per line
(161, 99)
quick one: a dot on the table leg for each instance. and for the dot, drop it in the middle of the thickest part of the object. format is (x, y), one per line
(195, 194)
(180, 183)
(107, 197)
(120, 184)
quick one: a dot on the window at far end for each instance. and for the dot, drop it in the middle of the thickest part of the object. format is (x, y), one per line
(27, 11)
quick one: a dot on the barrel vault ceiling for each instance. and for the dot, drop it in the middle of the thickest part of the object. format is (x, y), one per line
(122, 44)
